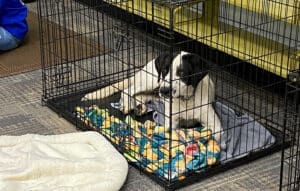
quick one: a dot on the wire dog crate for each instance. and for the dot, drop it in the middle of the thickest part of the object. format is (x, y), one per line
(290, 173)
(183, 89)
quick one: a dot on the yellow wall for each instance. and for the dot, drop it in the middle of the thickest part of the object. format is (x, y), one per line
(267, 54)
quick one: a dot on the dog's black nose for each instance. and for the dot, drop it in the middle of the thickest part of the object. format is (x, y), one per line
(165, 91)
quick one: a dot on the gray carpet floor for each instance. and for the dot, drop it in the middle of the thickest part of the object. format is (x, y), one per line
(22, 112)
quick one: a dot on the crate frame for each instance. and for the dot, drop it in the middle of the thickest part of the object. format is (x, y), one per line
(166, 37)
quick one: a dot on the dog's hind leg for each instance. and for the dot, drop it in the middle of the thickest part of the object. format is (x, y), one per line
(145, 80)
(108, 90)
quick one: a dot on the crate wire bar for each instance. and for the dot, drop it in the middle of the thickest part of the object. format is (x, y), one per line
(290, 172)
(247, 51)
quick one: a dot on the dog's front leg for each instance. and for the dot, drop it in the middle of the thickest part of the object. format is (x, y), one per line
(210, 119)
(140, 103)
(170, 119)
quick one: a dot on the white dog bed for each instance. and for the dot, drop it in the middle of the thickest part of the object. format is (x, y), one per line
(83, 161)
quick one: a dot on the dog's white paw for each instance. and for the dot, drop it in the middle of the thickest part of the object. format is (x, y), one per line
(87, 97)
(140, 109)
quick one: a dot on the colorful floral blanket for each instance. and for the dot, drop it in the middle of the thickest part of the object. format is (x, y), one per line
(171, 154)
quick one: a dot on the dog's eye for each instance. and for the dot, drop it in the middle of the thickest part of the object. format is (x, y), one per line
(181, 74)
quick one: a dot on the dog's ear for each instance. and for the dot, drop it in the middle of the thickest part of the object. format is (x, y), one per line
(197, 68)
(162, 64)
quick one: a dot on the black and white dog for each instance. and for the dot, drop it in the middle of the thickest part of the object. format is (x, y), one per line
(184, 77)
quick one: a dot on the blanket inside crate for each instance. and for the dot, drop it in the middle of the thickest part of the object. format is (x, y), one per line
(148, 144)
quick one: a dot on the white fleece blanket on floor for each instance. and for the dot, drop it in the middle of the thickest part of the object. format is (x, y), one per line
(83, 161)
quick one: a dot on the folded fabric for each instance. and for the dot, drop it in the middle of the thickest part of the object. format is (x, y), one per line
(171, 154)
(242, 134)
(77, 161)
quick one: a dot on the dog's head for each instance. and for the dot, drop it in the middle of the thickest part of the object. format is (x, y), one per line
(184, 71)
